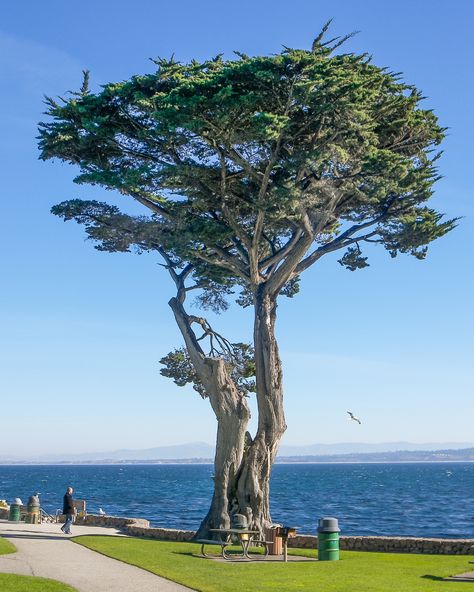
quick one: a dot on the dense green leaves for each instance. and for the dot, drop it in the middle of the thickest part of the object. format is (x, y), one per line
(352, 259)
(239, 361)
(249, 163)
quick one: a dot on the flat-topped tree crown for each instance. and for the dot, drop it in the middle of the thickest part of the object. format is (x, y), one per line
(255, 167)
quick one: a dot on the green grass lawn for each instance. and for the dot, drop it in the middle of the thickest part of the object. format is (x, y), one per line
(6, 547)
(355, 572)
(14, 583)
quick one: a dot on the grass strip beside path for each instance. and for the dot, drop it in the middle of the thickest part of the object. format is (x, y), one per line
(15, 583)
(6, 547)
(356, 572)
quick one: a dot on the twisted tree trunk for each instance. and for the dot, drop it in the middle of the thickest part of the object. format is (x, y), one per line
(242, 466)
(232, 414)
(254, 480)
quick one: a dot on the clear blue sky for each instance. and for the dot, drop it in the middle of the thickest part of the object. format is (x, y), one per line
(82, 331)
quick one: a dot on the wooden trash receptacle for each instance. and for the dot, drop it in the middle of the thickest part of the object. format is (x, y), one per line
(275, 542)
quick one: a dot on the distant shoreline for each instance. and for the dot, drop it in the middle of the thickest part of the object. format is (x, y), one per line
(388, 457)
(186, 455)
(211, 462)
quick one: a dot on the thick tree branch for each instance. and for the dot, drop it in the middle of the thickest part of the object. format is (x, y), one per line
(260, 218)
(232, 260)
(294, 254)
(229, 151)
(275, 258)
(310, 230)
(243, 238)
(150, 204)
(182, 319)
(338, 243)
(227, 263)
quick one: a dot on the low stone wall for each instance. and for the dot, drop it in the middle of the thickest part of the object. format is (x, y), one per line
(136, 527)
(141, 528)
(393, 544)
(163, 534)
(112, 521)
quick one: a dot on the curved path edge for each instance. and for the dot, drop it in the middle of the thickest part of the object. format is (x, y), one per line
(43, 551)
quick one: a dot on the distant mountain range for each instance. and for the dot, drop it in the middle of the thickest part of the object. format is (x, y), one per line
(365, 448)
(446, 455)
(341, 452)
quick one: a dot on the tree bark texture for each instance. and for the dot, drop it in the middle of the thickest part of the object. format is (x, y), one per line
(232, 414)
(242, 466)
(254, 480)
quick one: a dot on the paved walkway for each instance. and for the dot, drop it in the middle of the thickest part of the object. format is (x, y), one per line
(45, 552)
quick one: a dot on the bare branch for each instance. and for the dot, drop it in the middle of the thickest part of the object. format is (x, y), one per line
(259, 221)
(285, 271)
(226, 212)
(150, 204)
(275, 258)
(227, 263)
(338, 243)
(229, 151)
(288, 268)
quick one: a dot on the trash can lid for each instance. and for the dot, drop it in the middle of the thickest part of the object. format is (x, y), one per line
(17, 501)
(328, 524)
(239, 520)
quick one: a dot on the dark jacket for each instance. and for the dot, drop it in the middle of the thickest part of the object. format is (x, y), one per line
(68, 505)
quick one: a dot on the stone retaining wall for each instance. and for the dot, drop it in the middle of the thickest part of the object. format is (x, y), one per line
(136, 527)
(164, 534)
(112, 521)
(393, 544)
(141, 528)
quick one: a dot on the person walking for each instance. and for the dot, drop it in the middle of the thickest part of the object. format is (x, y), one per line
(68, 510)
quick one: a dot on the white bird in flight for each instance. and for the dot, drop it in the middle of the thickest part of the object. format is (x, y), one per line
(352, 416)
(101, 512)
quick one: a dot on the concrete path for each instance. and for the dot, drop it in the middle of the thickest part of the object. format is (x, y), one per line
(43, 551)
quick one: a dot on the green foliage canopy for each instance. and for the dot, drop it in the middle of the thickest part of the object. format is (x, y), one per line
(254, 167)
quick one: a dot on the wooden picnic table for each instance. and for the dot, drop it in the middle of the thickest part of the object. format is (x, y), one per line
(245, 536)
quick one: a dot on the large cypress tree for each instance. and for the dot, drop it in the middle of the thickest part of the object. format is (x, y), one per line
(251, 170)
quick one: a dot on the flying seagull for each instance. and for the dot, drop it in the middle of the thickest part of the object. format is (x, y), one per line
(352, 416)
(101, 512)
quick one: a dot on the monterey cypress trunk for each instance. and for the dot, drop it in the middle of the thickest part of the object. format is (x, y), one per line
(254, 481)
(232, 414)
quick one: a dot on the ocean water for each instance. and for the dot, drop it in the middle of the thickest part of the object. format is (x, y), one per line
(430, 500)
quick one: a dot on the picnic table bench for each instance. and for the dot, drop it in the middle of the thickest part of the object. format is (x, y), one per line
(222, 544)
(245, 537)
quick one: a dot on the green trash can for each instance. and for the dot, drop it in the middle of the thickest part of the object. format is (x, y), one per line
(15, 506)
(328, 539)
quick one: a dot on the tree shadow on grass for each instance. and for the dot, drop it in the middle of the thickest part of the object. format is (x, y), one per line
(110, 536)
(35, 536)
(447, 579)
(196, 555)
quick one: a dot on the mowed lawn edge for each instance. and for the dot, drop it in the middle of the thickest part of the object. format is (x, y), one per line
(15, 583)
(6, 547)
(355, 572)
